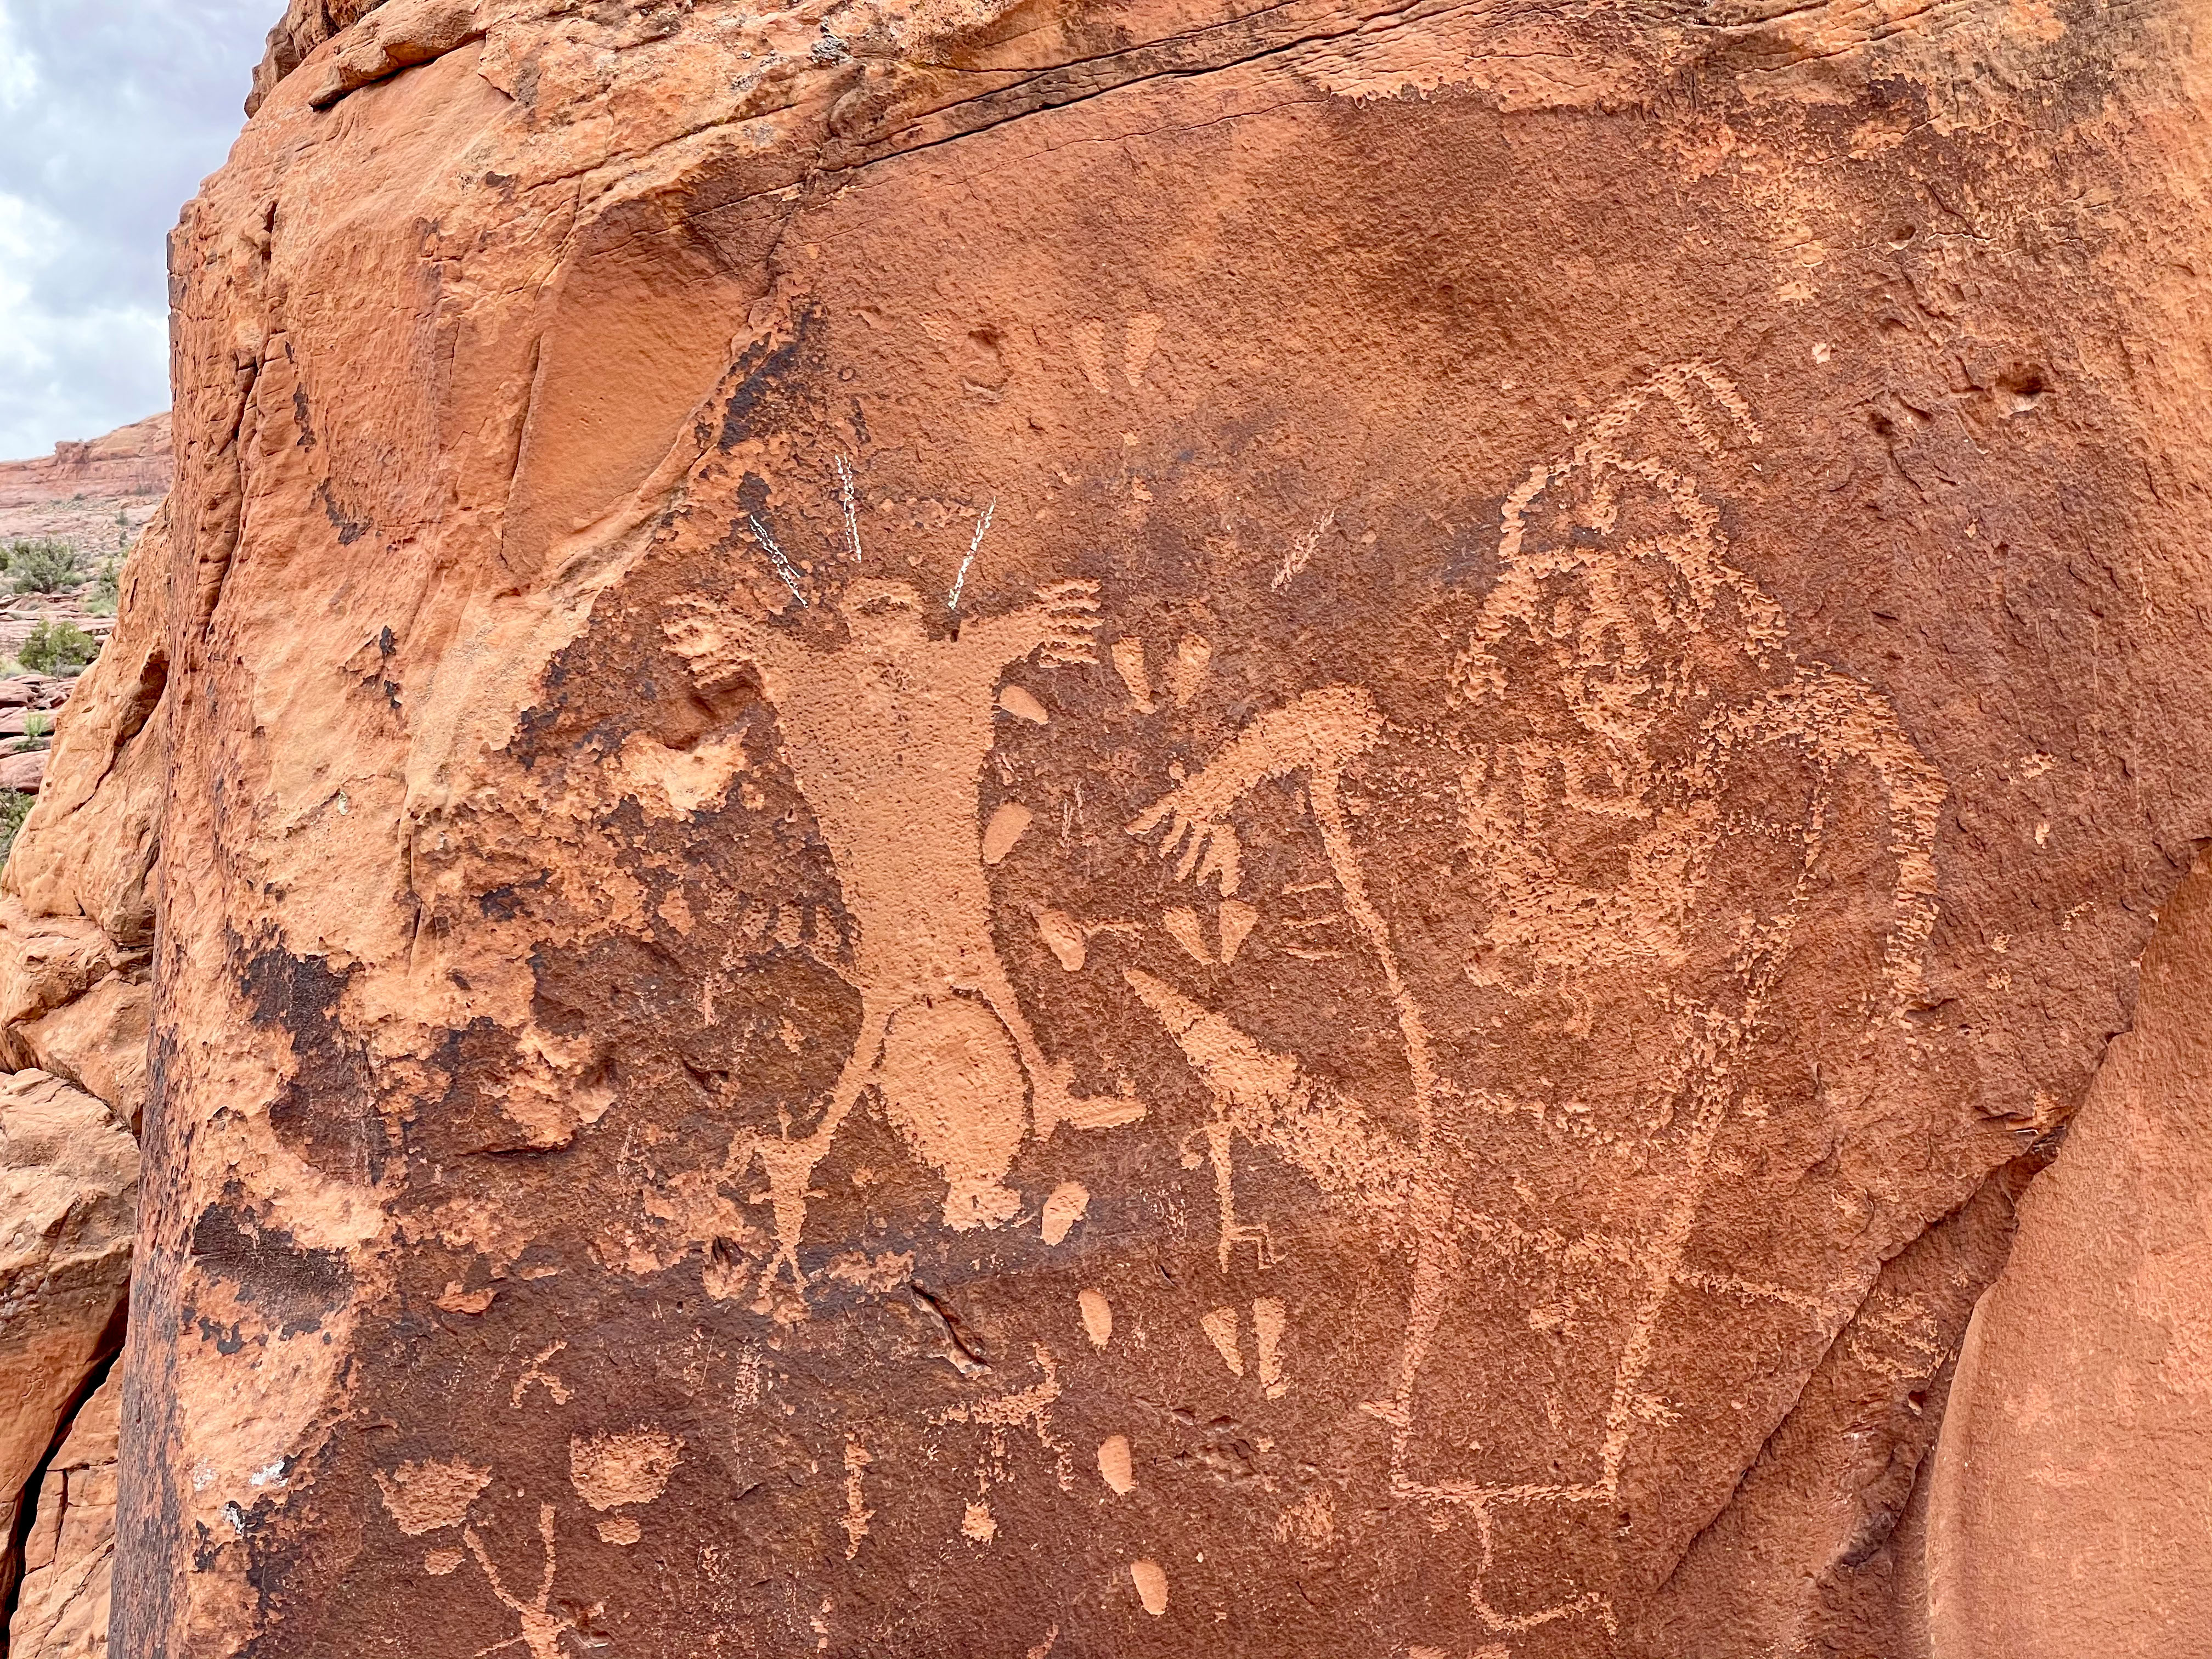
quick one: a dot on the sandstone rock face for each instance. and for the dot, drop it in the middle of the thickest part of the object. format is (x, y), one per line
(69, 1190)
(62, 1612)
(1018, 830)
(77, 895)
(2067, 1512)
(77, 920)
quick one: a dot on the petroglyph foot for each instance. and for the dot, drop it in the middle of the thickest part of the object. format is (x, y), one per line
(1053, 1103)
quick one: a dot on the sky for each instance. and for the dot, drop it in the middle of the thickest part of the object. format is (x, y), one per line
(111, 113)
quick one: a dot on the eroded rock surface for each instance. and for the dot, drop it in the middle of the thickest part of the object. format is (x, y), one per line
(69, 1199)
(77, 895)
(1032, 831)
(69, 1555)
(2067, 1509)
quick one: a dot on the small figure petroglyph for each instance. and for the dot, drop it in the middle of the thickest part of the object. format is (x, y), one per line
(535, 1373)
(849, 503)
(1030, 1407)
(857, 1514)
(775, 557)
(1301, 551)
(975, 545)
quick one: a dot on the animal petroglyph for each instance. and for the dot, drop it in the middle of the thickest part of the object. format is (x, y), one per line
(887, 736)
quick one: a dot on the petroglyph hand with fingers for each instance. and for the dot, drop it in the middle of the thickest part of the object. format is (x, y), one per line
(1070, 610)
(1315, 735)
(1061, 627)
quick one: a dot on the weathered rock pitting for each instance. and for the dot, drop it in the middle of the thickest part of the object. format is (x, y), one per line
(1012, 830)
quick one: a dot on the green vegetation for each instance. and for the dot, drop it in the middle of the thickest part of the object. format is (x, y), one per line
(15, 807)
(45, 566)
(55, 648)
(106, 588)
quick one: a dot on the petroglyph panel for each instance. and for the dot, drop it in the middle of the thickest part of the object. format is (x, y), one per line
(1253, 919)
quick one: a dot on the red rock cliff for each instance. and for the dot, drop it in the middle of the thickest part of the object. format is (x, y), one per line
(132, 461)
(1052, 831)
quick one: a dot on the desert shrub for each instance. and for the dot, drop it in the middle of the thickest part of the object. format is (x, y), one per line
(45, 566)
(106, 588)
(15, 807)
(54, 647)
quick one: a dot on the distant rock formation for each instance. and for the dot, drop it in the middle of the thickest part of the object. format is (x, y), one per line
(134, 460)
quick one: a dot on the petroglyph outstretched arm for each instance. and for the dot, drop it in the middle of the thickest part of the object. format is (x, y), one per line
(1314, 735)
(1062, 624)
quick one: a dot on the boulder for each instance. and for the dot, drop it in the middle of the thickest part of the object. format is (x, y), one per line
(69, 1192)
(25, 773)
(69, 1554)
(992, 830)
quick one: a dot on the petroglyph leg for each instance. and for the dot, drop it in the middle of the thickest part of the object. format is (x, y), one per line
(789, 1164)
(1052, 1099)
(541, 1629)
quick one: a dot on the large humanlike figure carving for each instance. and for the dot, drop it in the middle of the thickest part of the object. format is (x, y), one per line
(886, 736)
(1612, 580)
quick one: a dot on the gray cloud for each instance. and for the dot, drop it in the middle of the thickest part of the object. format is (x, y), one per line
(110, 112)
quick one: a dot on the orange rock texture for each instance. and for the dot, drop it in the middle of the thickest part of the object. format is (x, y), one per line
(1057, 830)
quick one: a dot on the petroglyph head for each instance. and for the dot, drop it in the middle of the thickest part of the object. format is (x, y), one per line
(884, 615)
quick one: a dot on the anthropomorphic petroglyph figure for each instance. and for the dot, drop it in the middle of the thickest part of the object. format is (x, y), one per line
(1648, 784)
(886, 736)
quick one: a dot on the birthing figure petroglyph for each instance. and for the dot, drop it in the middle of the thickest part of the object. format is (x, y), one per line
(886, 736)
(1619, 710)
